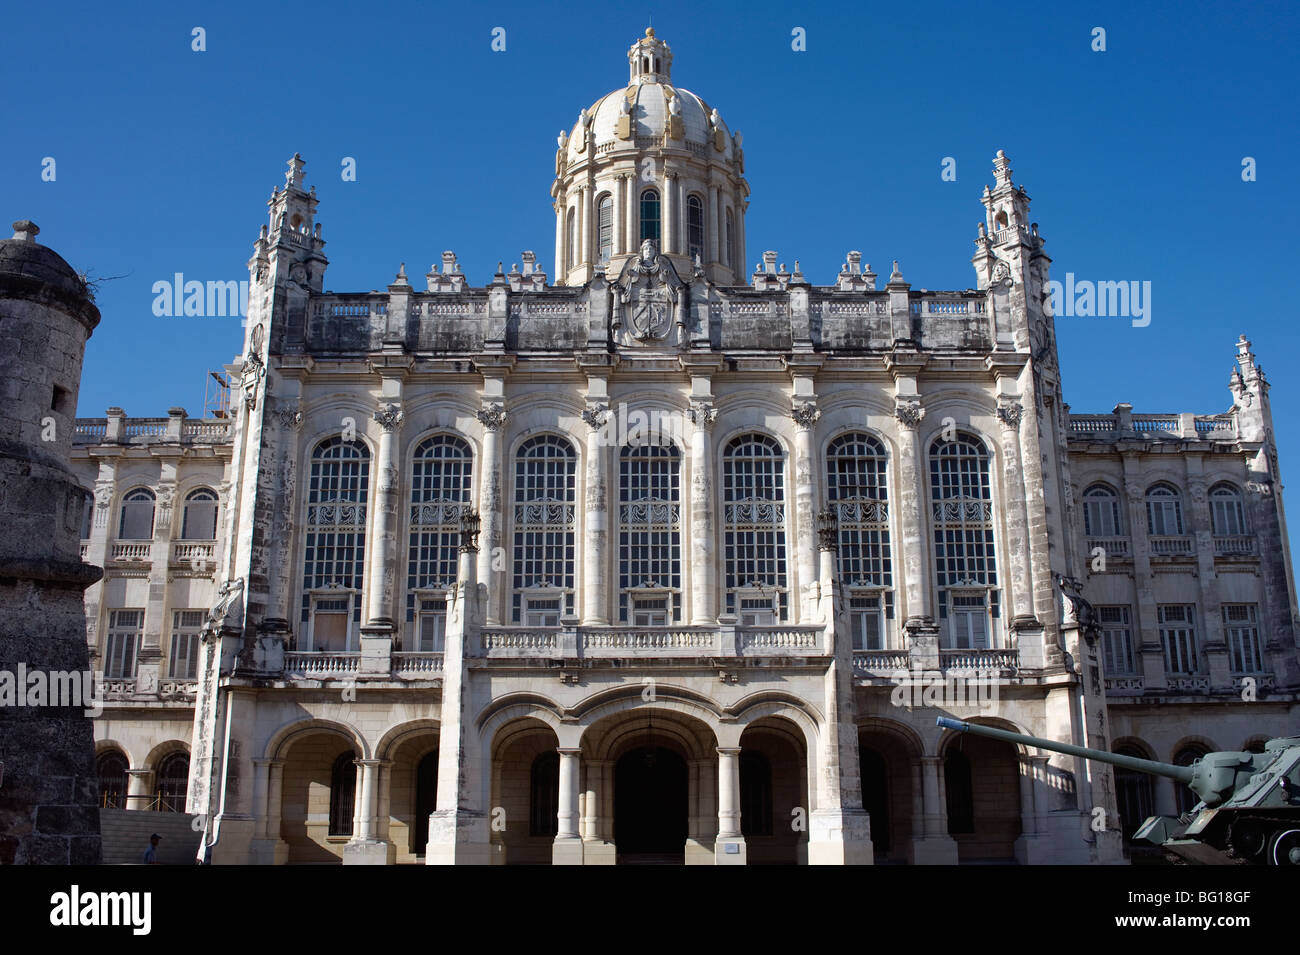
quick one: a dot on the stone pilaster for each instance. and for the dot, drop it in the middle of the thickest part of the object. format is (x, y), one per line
(382, 571)
(492, 415)
(805, 415)
(1016, 518)
(595, 566)
(704, 604)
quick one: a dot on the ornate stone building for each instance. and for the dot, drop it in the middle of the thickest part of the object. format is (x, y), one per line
(660, 561)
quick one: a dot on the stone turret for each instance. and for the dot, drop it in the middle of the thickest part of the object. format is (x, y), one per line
(49, 797)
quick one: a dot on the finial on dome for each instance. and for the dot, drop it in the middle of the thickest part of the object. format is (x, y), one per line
(650, 31)
(26, 230)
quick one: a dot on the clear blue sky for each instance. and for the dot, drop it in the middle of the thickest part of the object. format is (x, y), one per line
(165, 156)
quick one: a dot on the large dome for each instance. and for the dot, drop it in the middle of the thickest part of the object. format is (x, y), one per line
(649, 162)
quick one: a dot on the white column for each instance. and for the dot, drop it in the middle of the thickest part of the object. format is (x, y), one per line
(728, 792)
(620, 215)
(364, 816)
(805, 415)
(912, 497)
(493, 416)
(631, 222)
(588, 225)
(704, 608)
(567, 848)
(595, 557)
(380, 574)
(712, 237)
(669, 243)
(560, 214)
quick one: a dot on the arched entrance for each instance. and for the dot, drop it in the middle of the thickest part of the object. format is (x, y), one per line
(889, 764)
(651, 806)
(774, 793)
(426, 799)
(982, 788)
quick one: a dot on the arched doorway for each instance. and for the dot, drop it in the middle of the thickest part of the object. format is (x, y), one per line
(773, 793)
(172, 782)
(111, 766)
(889, 766)
(650, 806)
(426, 800)
(982, 789)
(526, 790)
(875, 800)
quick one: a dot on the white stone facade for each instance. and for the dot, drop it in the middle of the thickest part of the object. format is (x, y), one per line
(715, 522)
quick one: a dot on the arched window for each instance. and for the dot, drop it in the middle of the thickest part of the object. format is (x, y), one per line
(650, 215)
(961, 497)
(1101, 513)
(571, 240)
(544, 795)
(136, 523)
(343, 794)
(1226, 513)
(605, 228)
(1135, 795)
(649, 535)
(733, 255)
(337, 494)
(857, 492)
(111, 768)
(172, 783)
(545, 520)
(199, 522)
(1184, 798)
(440, 492)
(1164, 512)
(695, 228)
(753, 495)
(959, 792)
(755, 794)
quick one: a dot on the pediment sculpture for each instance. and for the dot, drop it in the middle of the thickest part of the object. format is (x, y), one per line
(649, 301)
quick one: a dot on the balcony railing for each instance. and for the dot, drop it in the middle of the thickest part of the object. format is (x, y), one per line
(521, 640)
(1126, 685)
(130, 550)
(1172, 546)
(1234, 546)
(321, 665)
(782, 638)
(1111, 546)
(416, 666)
(1001, 659)
(879, 662)
(656, 641)
(184, 552)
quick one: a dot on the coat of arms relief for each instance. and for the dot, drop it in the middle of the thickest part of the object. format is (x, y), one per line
(649, 302)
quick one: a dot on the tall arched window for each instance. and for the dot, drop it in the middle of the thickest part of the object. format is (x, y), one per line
(343, 794)
(605, 228)
(111, 768)
(571, 240)
(1101, 513)
(172, 783)
(335, 543)
(440, 491)
(753, 495)
(1164, 512)
(545, 521)
(733, 255)
(962, 501)
(650, 215)
(695, 228)
(1226, 513)
(649, 535)
(857, 492)
(136, 523)
(199, 522)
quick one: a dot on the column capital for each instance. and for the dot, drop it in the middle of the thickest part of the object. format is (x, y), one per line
(805, 414)
(389, 416)
(1010, 411)
(595, 415)
(909, 412)
(570, 751)
(492, 415)
(702, 413)
(728, 750)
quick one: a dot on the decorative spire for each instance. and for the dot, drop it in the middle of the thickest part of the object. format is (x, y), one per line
(294, 176)
(1002, 169)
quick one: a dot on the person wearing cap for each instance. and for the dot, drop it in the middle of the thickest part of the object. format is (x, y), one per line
(151, 854)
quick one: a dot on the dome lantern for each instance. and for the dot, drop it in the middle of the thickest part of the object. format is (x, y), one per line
(649, 60)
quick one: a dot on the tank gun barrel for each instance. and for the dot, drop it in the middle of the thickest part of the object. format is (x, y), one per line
(1184, 774)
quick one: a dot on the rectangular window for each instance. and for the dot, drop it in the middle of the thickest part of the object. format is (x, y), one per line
(968, 622)
(867, 621)
(1178, 637)
(758, 611)
(1117, 640)
(1245, 649)
(329, 624)
(542, 612)
(1164, 519)
(122, 643)
(184, 662)
(1101, 516)
(433, 627)
(650, 612)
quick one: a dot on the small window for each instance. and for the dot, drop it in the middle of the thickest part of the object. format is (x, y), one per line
(1101, 513)
(433, 627)
(650, 612)
(650, 215)
(1117, 640)
(758, 611)
(1226, 512)
(1245, 649)
(329, 624)
(1178, 638)
(605, 228)
(137, 516)
(542, 612)
(695, 227)
(1164, 512)
(968, 622)
(867, 621)
(571, 245)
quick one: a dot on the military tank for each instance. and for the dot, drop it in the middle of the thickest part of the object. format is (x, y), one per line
(1249, 809)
